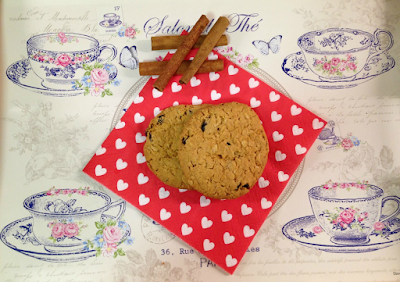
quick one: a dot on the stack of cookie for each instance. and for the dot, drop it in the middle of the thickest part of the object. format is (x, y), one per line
(218, 150)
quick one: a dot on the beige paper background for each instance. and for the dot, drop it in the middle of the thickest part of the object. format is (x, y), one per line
(371, 111)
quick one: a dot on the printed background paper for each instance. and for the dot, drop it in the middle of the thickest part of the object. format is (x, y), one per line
(47, 140)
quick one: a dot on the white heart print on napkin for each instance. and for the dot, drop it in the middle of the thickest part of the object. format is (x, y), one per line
(219, 229)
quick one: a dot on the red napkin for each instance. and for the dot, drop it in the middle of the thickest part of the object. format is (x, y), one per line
(219, 229)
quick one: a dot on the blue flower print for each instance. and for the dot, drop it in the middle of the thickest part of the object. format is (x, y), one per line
(75, 86)
(121, 32)
(355, 140)
(116, 82)
(87, 81)
(86, 246)
(109, 68)
(99, 241)
(129, 240)
(123, 225)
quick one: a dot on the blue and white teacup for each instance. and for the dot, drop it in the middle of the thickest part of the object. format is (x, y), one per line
(339, 54)
(59, 59)
(111, 18)
(63, 219)
(350, 212)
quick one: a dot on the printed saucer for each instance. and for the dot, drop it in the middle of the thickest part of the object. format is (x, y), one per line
(22, 75)
(295, 66)
(17, 236)
(107, 25)
(300, 230)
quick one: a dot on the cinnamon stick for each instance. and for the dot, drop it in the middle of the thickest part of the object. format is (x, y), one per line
(180, 54)
(209, 42)
(174, 41)
(156, 68)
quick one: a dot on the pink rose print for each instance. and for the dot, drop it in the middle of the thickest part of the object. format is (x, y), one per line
(99, 76)
(63, 60)
(347, 144)
(317, 229)
(346, 216)
(130, 32)
(353, 211)
(335, 61)
(327, 66)
(348, 56)
(240, 60)
(109, 249)
(61, 34)
(96, 90)
(342, 66)
(379, 226)
(112, 234)
(248, 59)
(50, 192)
(84, 192)
(58, 230)
(71, 230)
(352, 65)
(229, 50)
(64, 40)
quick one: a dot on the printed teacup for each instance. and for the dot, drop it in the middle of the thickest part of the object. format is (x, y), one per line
(111, 18)
(60, 59)
(339, 54)
(350, 212)
(63, 219)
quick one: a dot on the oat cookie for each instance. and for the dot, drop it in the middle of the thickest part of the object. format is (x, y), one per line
(223, 150)
(162, 142)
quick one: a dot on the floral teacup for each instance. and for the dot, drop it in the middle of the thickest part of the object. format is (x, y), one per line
(63, 219)
(60, 59)
(340, 53)
(350, 212)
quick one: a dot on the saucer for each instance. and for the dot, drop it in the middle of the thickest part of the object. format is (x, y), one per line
(22, 75)
(103, 24)
(300, 230)
(132, 96)
(29, 246)
(295, 66)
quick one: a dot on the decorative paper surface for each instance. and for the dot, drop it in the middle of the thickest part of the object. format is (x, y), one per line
(48, 135)
(220, 229)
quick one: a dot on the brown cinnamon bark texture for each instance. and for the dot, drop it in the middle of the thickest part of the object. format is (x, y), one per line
(157, 68)
(176, 60)
(209, 42)
(174, 41)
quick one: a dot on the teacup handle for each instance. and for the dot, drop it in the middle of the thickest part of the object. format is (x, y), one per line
(396, 212)
(110, 47)
(377, 43)
(122, 207)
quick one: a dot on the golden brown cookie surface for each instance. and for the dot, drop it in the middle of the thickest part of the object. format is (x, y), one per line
(223, 150)
(162, 142)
